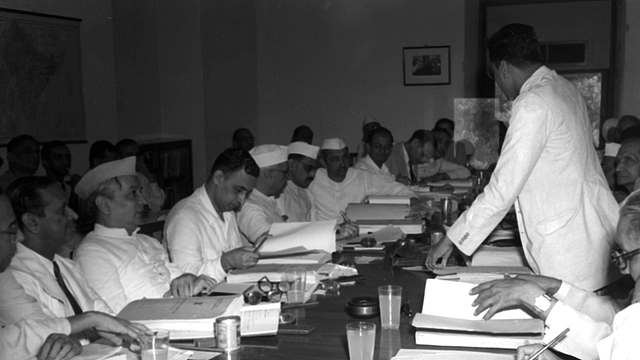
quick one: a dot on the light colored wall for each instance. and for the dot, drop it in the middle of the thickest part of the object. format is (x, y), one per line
(330, 64)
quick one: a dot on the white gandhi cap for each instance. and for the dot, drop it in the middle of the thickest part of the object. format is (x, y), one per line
(302, 148)
(611, 149)
(269, 155)
(333, 144)
(90, 181)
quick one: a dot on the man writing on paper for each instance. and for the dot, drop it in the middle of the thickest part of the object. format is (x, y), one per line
(338, 185)
(406, 157)
(380, 143)
(202, 233)
(548, 167)
(118, 262)
(295, 203)
(261, 209)
(40, 335)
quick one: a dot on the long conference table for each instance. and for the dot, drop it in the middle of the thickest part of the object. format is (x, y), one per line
(329, 340)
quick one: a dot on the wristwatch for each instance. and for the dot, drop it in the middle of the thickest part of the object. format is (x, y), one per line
(542, 303)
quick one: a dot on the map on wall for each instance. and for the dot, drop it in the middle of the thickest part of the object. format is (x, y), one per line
(40, 77)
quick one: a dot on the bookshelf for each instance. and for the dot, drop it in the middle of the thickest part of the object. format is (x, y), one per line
(170, 161)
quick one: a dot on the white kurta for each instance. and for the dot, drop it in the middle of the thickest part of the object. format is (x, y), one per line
(548, 166)
(35, 274)
(589, 317)
(123, 267)
(15, 304)
(257, 214)
(330, 197)
(294, 203)
(23, 339)
(197, 237)
(622, 344)
(367, 164)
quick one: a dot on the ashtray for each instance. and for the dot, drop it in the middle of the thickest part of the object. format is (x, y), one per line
(363, 307)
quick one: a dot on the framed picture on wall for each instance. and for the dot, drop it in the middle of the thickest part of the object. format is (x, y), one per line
(426, 65)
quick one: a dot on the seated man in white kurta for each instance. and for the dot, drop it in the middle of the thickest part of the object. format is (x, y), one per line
(201, 230)
(337, 185)
(380, 143)
(261, 208)
(294, 203)
(119, 263)
(43, 215)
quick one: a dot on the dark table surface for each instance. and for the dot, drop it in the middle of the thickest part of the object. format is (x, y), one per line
(329, 340)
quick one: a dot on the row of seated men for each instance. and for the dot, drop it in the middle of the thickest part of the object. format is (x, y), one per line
(115, 264)
(25, 154)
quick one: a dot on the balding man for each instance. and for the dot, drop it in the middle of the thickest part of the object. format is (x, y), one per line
(261, 208)
(57, 284)
(202, 233)
(39, 335)
(121, 264)
(337, 185)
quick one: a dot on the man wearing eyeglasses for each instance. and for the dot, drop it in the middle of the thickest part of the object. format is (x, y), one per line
(294, 203)
(261, 209)
(40, 335)
(44, 217)
(548, 169)
(589, 317)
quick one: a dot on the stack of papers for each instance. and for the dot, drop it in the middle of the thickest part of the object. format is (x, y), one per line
(423, 354)
(511, 256)
(373, 217)
(398, 200)
(447, 320)
(299, 243)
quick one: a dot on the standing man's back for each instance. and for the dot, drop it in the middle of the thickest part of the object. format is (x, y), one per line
(548, 167)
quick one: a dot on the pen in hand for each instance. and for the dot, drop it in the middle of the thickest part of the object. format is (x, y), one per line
(550, 344)
(344, 217)
(261, 240)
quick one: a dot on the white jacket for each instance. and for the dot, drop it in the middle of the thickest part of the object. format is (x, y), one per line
(549, 168)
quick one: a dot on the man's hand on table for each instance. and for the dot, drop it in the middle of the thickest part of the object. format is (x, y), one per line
(548, 284)
(525, 352)
(187, 285)
(240, 258)
(497, 295)
(442, 250)
(59, 346)
(347, 230)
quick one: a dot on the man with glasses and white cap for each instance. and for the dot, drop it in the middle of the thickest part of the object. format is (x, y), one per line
(261, 209)
(121, 264)
(294, 203)
(337, 185)
(201, 230)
